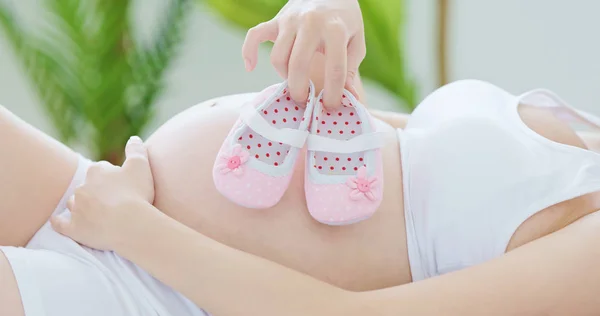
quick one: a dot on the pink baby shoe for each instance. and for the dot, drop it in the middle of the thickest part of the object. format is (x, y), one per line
(344, 172)
(255, 163)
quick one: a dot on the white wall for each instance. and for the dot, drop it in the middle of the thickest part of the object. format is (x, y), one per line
(533, 43)
(517, 44)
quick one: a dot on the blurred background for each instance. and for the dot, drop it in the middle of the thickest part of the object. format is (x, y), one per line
(93, 72)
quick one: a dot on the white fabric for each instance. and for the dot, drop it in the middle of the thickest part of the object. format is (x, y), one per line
(58, 277)
(473, 172)
(364, 142)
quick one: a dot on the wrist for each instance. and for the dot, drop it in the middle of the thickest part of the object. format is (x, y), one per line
(138, 224)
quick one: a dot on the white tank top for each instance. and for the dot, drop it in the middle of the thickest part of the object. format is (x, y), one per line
(473, 172)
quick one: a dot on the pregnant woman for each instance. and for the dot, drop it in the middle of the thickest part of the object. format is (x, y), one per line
(492, 187)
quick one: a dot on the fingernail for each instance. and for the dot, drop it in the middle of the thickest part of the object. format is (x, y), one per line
(135, 139)
(247, 64)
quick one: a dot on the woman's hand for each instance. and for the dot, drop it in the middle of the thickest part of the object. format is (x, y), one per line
(105, 209)
(303, 28)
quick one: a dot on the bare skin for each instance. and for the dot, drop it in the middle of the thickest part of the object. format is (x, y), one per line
(368, 255)
(36, 171)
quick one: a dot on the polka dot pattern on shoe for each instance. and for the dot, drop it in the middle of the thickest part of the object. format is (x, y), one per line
(282, 113)
(342, 125)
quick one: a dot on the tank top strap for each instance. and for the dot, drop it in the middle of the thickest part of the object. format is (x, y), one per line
(548, 99)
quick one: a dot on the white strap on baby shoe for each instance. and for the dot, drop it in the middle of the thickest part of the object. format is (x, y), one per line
(293, 137)
(364, 142)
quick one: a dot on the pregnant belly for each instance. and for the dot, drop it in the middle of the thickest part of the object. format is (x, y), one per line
(367, 255)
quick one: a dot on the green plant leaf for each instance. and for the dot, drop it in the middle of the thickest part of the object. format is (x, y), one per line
(247, 13)
(87, 68)
(150, 63)
(385, 62)
(42, 69)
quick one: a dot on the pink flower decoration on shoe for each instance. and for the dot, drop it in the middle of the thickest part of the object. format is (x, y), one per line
(233, 162)
(362, 186)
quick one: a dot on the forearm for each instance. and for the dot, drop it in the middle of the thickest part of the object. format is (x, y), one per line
(555, 275)
(223, 280)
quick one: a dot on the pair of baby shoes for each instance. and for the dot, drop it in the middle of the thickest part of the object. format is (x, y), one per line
(343, 165)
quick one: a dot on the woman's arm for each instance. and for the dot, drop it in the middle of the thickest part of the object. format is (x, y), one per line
(556, 275)
(224, 280)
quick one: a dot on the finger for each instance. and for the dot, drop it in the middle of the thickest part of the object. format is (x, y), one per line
(266, 31)
(354, 91)
(61, 225)
(135, 148)
(280, 54)
(335, 65)
(303, 51)
(136, 156)
(357, 51)
(97, 168)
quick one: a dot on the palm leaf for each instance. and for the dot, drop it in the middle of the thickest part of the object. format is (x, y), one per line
(91, 73)
(150, 63)
(247, 13)
(84, 36)
(385, 62)
(43, 70)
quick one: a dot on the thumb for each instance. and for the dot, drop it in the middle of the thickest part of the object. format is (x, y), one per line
(136, 156)
(61, 225)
